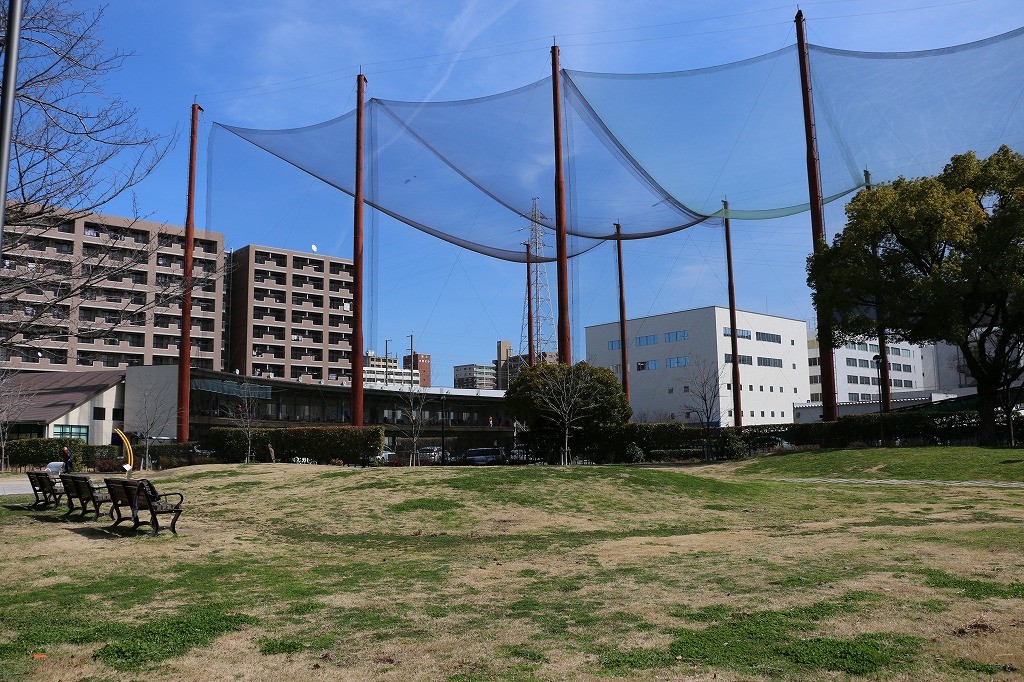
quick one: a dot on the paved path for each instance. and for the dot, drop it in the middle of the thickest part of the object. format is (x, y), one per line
(903, 481)
(15, 486)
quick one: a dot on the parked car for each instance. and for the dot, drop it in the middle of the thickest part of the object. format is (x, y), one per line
(432, 453)
(386, 455)
(482, 456)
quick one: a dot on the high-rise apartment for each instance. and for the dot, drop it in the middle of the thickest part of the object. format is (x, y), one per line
(103, 292)
(291, 315)
(421, 364)
(475, 376)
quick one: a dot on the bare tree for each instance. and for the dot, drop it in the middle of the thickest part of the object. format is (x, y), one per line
(14, 400)
(245, 412)
(411, 408)
(74, 149)
(566, 399)
(702, 390)
(153, 411)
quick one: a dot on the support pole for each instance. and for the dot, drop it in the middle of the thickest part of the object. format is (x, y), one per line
(357, 263)
(623, 345)
(884, 386)
(737, 402)
(185, 333)
(12, 38)
(561, 246)
(830, 410)
(531, 347)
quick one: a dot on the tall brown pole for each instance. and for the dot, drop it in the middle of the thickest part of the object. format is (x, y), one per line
(531, 353)
(885, 390)
(185, 333)
(830, 410)
(357, 263)
(623, 345)
(737, 403)
(561, 247)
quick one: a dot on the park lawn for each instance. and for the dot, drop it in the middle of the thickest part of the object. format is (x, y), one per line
(527, 573)
(935, 463)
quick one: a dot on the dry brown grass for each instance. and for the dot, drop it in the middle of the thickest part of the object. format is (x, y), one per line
(519, 575)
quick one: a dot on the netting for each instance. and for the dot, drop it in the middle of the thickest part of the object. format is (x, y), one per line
(657, 153)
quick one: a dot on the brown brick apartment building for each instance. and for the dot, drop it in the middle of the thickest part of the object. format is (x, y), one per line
(290, 315)
(103, 292)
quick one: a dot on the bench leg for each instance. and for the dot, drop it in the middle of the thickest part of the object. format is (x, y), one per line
(174, 520)
(119, 518)
(154, 523)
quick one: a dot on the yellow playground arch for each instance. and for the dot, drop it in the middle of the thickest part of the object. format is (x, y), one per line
(128, 451)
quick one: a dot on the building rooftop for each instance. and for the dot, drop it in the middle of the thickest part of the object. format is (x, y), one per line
(52, 394)
(691, 310)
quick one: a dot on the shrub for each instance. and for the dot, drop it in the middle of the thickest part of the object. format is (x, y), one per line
(38, 452)
(351, 444)
(107, 465)
(729, 445)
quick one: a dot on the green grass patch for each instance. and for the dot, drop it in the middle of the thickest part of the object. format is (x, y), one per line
(437, 504)
(972, 589)
(768, 642)
(932, 463)
(970, 665)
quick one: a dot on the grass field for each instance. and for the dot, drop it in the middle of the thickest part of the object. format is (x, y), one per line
(292, 572)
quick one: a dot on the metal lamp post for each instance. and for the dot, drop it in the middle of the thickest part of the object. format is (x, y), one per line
(881, 405)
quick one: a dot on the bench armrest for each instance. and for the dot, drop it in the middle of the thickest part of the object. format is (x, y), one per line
(181, 498)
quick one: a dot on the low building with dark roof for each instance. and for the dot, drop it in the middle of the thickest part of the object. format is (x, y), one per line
(87, 404)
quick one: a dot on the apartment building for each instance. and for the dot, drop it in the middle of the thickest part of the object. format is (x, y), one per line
(475, 376)
(103, 292)
(670, 354)
(291, 315)
(385, 371)
(420, 363)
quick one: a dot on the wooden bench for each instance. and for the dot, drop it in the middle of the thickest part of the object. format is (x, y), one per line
(46, 490)
(139, 495)
(80, 487)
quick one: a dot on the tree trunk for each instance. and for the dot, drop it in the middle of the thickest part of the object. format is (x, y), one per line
(988, 399)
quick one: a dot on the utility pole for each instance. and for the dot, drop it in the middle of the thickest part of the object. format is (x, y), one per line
(357, 262)
(10, 84)
(623, 342)
(884, 385)
(530, 351)
(387, 359)
(737, 403)
(561, 240)
(830, 409)
(185, 331)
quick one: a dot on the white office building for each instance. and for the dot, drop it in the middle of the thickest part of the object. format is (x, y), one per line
(857, 373)
(668, 353)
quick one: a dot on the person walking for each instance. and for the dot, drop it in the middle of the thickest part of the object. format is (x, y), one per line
(270, 449)
(66, 455)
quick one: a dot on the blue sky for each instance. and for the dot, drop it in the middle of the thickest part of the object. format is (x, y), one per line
(289, 63)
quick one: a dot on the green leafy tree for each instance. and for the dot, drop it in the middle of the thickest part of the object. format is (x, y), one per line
(937, 259)
(554, 401)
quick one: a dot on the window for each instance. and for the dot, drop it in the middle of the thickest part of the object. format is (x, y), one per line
(854, 397)
(648, 340)
(762, 413)
(815, 397)
(863, 363)
(898, 383)
(670, 389)
(771, 389)
(678, 362)
(677, 336)
(865, 397)
(744, 360)
(646, 364)
(769, 338)
(740, 333)
(99, 413)
(686, 389)
(905, 352)
(851, 362)
(773, 413)
(852, 379)
(69, 431)
(872, 347)
(908, 383)
(862, 346)
(769, 362)
(615, 345)
(865, 380)
(908, 368)
(117, 414)
(814, 362)
(751, 413)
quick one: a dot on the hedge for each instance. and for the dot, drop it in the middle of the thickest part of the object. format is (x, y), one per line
(351, 444)
(38, 452)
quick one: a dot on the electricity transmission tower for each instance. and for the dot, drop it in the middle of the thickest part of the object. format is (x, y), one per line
(543, 317)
